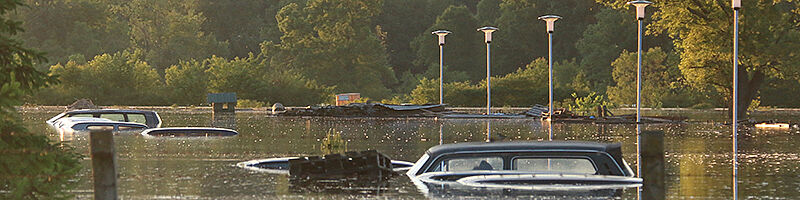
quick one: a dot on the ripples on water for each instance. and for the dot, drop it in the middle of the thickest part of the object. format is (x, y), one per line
(698, 154)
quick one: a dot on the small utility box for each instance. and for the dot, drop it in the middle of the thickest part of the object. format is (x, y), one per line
(347, 98)
(222, 102)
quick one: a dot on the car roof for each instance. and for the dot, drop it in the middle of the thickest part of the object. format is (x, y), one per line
(72, 121)
(613, 149)
(107, 111)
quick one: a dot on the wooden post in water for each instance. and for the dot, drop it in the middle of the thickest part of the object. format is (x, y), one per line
(104, 162)
(653, 164)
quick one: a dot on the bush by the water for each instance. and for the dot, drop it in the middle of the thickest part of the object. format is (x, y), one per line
(525, 87)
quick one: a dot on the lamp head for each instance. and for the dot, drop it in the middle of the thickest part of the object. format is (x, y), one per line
(640, 5)
(736, 4)
(487, 33)
(441, 34)
(550, 19)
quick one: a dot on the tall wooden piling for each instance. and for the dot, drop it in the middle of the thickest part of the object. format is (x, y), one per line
(653, 164)
(104, 162)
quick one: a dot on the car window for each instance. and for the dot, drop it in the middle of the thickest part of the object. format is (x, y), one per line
(471, 163)
(130, 127)
(555, 165)
(80, 127)
(138, 118)
(82, 115)
(99, 126)
(113, 116)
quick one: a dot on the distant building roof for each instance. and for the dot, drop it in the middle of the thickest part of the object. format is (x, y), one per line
(229, 97)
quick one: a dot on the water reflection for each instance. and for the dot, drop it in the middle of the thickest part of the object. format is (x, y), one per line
(638, 157)
(735, 163)
(441, 133)
(488, 130)
(697, 164)
(224, 120)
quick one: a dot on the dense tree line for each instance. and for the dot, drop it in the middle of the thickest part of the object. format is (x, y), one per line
(302, 51)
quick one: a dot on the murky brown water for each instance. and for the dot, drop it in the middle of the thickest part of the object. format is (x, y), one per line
(698, 154)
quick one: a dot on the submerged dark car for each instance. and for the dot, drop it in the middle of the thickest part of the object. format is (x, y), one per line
(149, 118)
(549, 168)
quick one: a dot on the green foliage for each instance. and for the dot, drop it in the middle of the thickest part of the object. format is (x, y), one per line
(602, 43)
(251, 78)
(522, 36)
(168, 31)
(187, 83)
(525, 87)
(301, 51)
(334, 43)
(246, 103)
(588, 104)
(67, 27)
(242, 24)
(662, 81)
(121, 78)
(774, 93)
(333, 143)
(488, 11)
(31, 167)
(462, 51)
(427, 91)
(402, 20)
(702, 33)
(754, 105)
(399, 99)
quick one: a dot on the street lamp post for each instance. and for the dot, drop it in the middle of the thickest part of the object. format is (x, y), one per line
(736, 5)
(487, 33)
(441, 34)
(550, 19)
(640, 5)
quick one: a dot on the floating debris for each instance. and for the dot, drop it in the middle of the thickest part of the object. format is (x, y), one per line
(772, 125)
(370, 110)
(352, 167)
(82, 104)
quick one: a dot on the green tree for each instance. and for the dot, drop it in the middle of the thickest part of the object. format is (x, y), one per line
(32, 167)
(334, 43)
(242, 24)
(488, 11)
(602, 43)
(66, 27)
(523, 37)
(187, 83)
(525, 87)
(702, 33)
(402, 20)
(462, 50)
(122, 78)
(662, 83)
(168, 31)
(253, 78)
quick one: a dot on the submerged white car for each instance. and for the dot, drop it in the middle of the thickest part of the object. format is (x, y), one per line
(73, 125)
(149, 118)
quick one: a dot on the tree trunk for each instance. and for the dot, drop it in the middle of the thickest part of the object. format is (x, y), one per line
(748, 88)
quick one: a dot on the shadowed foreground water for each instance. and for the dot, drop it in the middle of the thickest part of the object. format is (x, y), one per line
(698, 155)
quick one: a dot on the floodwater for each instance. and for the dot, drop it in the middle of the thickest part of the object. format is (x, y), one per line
(698, 154)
